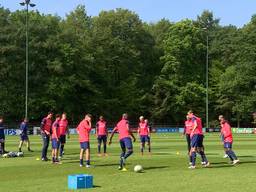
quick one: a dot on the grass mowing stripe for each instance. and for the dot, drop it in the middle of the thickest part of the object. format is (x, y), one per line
(165, 170)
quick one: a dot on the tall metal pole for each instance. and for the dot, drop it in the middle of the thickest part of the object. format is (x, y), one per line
(27, 4)
(26, 96)
(207, 81)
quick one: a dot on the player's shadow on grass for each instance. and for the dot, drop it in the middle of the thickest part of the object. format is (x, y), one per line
(72, 162)
(219, 163)
(108, 165)
(247, 162)
(28, 155)
(226, 164)
(244, 156)
(162, 153)
(209, 154)
(96, 186)
(71, 158)
(157, 148)
(72, 153)
(155, 167)
(222, 164)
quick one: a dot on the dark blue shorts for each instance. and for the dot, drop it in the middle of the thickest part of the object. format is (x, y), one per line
(197, 140)
(24, 137)
(144, 138)
(55, 144)
(2, 137)
(85, 145)
(126, 143)
(227, 145)
(63, 139)
(102, 138)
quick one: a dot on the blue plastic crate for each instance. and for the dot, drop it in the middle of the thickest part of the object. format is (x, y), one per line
(81, 181)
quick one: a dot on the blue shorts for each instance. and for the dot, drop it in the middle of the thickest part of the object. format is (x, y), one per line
(227, 145)
(197, 140)
(55, 144)
(24, 137)
(126, 143)
(85, 145)
(144, 138)
(102, 138)
(2, 137)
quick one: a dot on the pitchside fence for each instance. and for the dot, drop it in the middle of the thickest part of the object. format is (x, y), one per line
(35, 130)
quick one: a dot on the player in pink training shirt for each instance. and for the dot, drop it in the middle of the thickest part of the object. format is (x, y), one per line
(55, 139)
(227, 139)
(125, 135)
(187, 131)
(83, 130)
(197, 137)
(63, 132)
(144, 133)
(102, 135)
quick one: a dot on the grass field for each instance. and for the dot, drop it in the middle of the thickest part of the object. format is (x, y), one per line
(166, 170)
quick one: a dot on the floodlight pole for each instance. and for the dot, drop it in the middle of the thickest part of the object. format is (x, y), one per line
(27, 4)
(207, 80)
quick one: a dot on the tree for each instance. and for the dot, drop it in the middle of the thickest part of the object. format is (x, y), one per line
(180, 85)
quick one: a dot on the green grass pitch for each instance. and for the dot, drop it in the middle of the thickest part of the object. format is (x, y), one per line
(166, 170)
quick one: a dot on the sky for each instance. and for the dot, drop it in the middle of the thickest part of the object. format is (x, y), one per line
(234, 12)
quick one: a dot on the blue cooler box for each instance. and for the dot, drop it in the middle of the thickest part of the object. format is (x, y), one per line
(80, 181)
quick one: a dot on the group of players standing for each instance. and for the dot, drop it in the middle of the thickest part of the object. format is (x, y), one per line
(58, 130)
(194, 136)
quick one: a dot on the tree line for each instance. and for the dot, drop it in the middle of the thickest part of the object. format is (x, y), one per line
(115, 63)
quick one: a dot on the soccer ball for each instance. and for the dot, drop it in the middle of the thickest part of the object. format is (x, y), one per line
(138, 169)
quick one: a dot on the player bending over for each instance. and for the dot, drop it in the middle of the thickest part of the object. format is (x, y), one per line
(144, 133)
(187, 131)
(63, 132)
(24, 135)
(125, 135)
(83, 131)
(228, 139)
(55, 139)
(102, 135)
(197, 141)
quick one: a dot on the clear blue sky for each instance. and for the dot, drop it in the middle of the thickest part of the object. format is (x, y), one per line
(235, 12)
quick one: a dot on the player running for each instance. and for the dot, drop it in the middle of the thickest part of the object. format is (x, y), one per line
(83, 130)
(228, 139)
(45, 132)
(24, 135)
(197, 141)
(123, 129)
(144, 134)
(187, 131)
(63, 132)
(2, 137)
(102, 135)
(55, 139)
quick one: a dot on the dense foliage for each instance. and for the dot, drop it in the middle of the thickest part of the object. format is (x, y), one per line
(114, 63)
